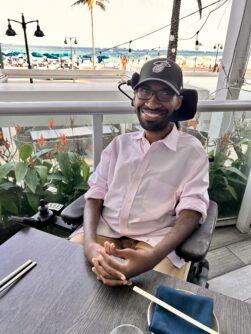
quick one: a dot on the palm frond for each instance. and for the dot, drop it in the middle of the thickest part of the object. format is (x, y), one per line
(80, 2)
(101, 4)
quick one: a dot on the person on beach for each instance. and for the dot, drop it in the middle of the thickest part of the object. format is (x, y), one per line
(123, 62)
(149, 191)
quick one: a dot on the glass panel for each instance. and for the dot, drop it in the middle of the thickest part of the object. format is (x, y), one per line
(118, 124)
(231, 159)
(205, 83)
(50, 132)
(46, 157)
(228, 171)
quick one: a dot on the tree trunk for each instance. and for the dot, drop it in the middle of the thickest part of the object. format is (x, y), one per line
(93, 48)
(174, 30)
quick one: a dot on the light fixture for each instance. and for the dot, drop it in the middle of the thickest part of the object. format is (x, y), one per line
(171, 38)
(10, 31)
(129, 49)
(38, 32)
(217, 46)
(70, 39)
(197, 43)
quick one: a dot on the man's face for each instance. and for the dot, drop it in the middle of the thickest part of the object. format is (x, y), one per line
(154, 112)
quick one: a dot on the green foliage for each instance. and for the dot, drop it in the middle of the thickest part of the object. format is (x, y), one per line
(69, 177)
(229, 171)
(25, 152)
(56, 176)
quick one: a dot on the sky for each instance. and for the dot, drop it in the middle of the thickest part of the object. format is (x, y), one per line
(123, 20)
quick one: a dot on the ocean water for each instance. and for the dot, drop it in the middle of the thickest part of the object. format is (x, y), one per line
(206, 82)
(113, 53)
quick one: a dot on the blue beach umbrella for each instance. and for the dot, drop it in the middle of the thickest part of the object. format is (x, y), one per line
(37, 54)
(86, 57)
(11, 54)
(14, 53)
(61, 54)
(50, 56)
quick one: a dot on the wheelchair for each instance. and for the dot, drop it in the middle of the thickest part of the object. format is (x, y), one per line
(195, 248)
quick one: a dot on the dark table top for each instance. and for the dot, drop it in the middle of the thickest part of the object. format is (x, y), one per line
(62, 295)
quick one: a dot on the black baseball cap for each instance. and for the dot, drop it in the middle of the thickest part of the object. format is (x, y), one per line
(162, 70)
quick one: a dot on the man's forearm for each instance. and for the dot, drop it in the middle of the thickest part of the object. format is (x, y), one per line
(92, 212)
(183, 228)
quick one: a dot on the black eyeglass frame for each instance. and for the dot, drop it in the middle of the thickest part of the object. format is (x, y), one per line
(187, 109)
(167, 98)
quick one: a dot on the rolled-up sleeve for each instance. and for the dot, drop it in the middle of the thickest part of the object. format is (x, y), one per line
(194, 195)
(98, 181)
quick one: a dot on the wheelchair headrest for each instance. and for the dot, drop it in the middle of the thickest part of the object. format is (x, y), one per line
(188, 107)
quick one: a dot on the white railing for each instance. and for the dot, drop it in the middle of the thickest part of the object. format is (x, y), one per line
(104, 107)
(63, 74)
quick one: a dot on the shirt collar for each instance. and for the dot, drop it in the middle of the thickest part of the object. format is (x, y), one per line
(170, 140)
(138, 135)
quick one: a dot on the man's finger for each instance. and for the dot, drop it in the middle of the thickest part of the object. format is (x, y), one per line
(111, 266)
(109, 247)
(123, 253)
(112, 282)
(95, 272)
(99, 270)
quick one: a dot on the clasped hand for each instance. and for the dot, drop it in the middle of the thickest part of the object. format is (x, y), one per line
(111, 271)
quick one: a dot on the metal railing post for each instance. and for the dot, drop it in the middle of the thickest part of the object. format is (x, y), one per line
(97, 138)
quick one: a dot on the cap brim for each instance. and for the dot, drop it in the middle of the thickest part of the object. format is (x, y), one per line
(166, 82)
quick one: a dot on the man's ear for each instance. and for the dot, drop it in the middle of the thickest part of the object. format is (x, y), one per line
(179, 99)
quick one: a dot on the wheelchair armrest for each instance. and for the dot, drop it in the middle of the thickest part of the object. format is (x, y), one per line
(196, 246)
(73, 213)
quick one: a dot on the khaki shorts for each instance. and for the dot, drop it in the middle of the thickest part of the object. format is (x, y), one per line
(165, 266)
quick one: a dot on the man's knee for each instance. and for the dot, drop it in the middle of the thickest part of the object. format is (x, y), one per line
(77, 238)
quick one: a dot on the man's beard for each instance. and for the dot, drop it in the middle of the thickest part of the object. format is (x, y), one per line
(158, 125)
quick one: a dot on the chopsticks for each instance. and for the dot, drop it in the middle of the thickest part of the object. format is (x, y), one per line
(174, 310)
(16, 274)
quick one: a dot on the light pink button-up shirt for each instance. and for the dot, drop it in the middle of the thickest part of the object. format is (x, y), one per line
(144, 185)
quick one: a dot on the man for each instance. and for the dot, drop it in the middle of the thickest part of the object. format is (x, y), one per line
(149, 191)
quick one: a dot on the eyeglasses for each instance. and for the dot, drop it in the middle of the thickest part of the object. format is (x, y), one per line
(145, 93)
